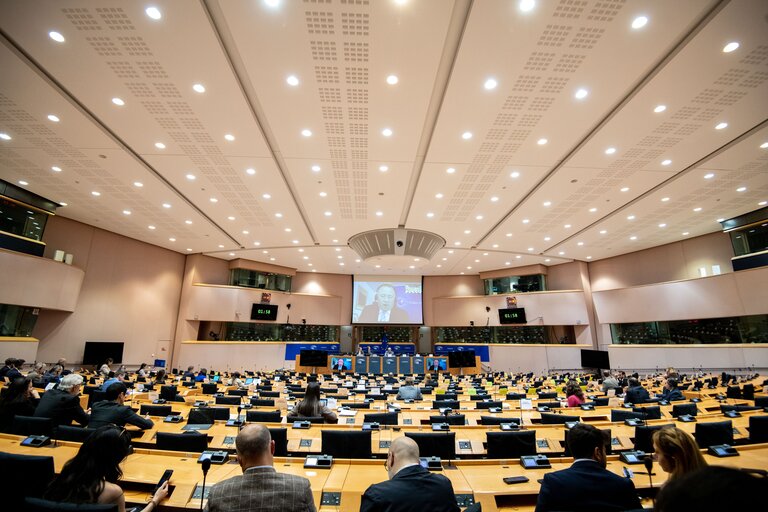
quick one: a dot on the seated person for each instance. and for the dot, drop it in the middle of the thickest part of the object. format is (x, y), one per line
(17, 399)
(574, 394)
(113, 411)
(36, 375)
(712, 488)
(310, 407)
(113, 378)
(610, 382)
(105, 368)
(671, 392)
(91, 476)
(160, 377)
(636, 393)
(389, 352)
(202, 375)
(62, 405)
(410, 486)
(189, 374)
(677, 452)
(143, 371)
(235, 380)
(409, 391)
(587, 485)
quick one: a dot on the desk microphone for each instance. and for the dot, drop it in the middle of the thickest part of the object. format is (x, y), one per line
(648, 463)
(206, 465)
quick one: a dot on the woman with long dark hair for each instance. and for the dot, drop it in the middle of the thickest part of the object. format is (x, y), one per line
(574, 394)
(311, 407)
(16, 401)
(91, 476)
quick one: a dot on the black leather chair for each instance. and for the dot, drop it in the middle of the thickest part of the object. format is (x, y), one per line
(155, 410)
(263, 416)
(440, 404)
(498, 420)
(357, 405)
(220, 413)
(186, 442)
(547, 396)
(435, 444)
(644, 435)
(70, 433)
(451, 419)
(345, 444)
(511, 445)
(201, 416)
(319, 420)
(601, 401)
(228, 400)
(448, 396)
(713, 433)
(487, 405)
(652, 412)
(680, 409)
(96, 396)
(31, 426)
(209, 389)
(382, 418)
(758, 429)
(761, 401)
(168, 392)
(748, 392)
(40, 505)
(280, 437)
(24, 476)
(548, 418)
(237, 392)
(515, 396)
(269, 394)
(263, 402)
(733, 392)
(623, 414)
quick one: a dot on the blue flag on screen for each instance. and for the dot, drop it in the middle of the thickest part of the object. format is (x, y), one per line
(384, 342)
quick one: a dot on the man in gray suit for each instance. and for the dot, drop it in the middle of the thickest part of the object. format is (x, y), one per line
(260, 487)
(409, 391)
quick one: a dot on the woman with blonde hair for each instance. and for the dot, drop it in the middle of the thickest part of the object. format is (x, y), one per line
(677, 452)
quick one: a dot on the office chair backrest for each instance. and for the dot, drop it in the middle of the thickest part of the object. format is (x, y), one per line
(263, 416)
(548, 418)
(601, 401)
(209, 389)
(69, 433)
(651, 412)
(382, 418)
(435, 444)
(31, 426)
(733, 392)
(186, 442)
(758, 429)
(680, 409)
(237, 392)
(357, 405)
(155, 410)
(511, 445)
(40, 505)
(200, 416)
(168, 392)
(547, 396)
(280, 437)
(220, 413)
(714, 432)
(263, 402)
(24, 475)
(269, 394)
(487, 405)
(451, 419)
(96, 396)
(228, 400)
(761, 401)
(498, 420)
(311, 419)
(622, 414)
(644, 435)
(440, 404)
(345, 444)
(448, 396)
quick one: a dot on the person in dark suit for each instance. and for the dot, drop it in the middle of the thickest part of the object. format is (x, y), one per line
(384, 308)
(671, 392)
(339, 364)
(62, 405)
(18, 400)
(435, 366)
(112, 410)
(636, 394)
(410, 488)
(587, 485)
(260, 487)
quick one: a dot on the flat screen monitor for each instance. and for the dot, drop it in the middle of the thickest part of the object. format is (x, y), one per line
(461, 359)
(431, 364)
(512, 316)
(595, 359)
(264, 312)
(346, 363)
(387, 300)
(313, 358)
(97, 352)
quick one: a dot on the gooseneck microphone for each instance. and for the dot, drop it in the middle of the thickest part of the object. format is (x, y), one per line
(206, 465)
(648, 463)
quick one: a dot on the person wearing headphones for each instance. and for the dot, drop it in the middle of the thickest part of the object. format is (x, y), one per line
(384, 308)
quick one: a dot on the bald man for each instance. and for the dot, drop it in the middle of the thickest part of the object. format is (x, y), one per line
(410, 488)
(260, 487)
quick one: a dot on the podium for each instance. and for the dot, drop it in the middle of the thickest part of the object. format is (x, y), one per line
(390, 364)
(361, 364)
(404, 364)
(418, 365)
(374, 364)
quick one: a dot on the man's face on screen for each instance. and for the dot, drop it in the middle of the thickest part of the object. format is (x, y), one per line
(386, 298)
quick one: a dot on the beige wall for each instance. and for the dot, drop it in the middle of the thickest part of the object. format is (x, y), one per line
(130, 293)
(55, 284)
(448, 286)
(233, 356)
(565, 276)
(535, 358)
(639, 357)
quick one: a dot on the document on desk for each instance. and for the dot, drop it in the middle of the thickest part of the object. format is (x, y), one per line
(347, 412)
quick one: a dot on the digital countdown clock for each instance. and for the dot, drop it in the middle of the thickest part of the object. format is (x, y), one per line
(264, 312)
(512, 316)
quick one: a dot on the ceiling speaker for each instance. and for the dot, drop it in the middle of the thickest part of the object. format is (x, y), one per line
(397, 248)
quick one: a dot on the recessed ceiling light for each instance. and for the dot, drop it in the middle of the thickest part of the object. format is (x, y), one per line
(271, 259)
(386, 132)
(547, 203)
(450, 252)
(213, 200)
(526, 221)
(581, 94)
(323, 194)
(592, 210)
(664, 199)
(171, 239)
(541, 142)
(62, 203)
(199, 88)
(518, 257)
(530, 248)
(221, 246)
(720, 220)
(720, 126)
(602, 231)
(469, 268)
(450, 170)
(272, 3)
(624, 189)
(547, 238)
(697, 209)
(685, 233)
(159, 145)
(266, 196)
(660, 108)
(662, 225)
(231, 217)
(126, 212)
(257, 244)
(53, 118)
(478, 217)
(494, 199)
(466, 135)
(589, 257)
(187, 222)
(526, 5)
(709, 176)
(438, 196)
(231, 254)
(191, 177)
(229, 137)
(392, 79)
(610, 151)
(567, 226)
(761, 203)
(383, 168)
(279, 215)
(514, 174)
(490, 84)
(633, 238)
(477, 261)
(152, 227)
(56, 36)
(732, 46)
(561, 253)
(5, 136)
(456, 243)
(189, 249)
(94, 193)
(294, 241)
(430, 214)
(630, 217)
(118, 101)
(639, 22)
(580, 243)
(292, 80)
(666, 162)
(439, 266)
(764, 145)
(56, 169)
(379, 214)
(741, 189)
(153, 12)
(166, 205)
(547, 260)
(138, 184)
(287, 230)
(315, 168)
(328, 214)
(306, 133)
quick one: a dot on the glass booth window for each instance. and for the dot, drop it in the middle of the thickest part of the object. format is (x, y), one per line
(256, 279)
(17, 321)
(750, 240)
(515, 284)
(22, 220)
(744, 329)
